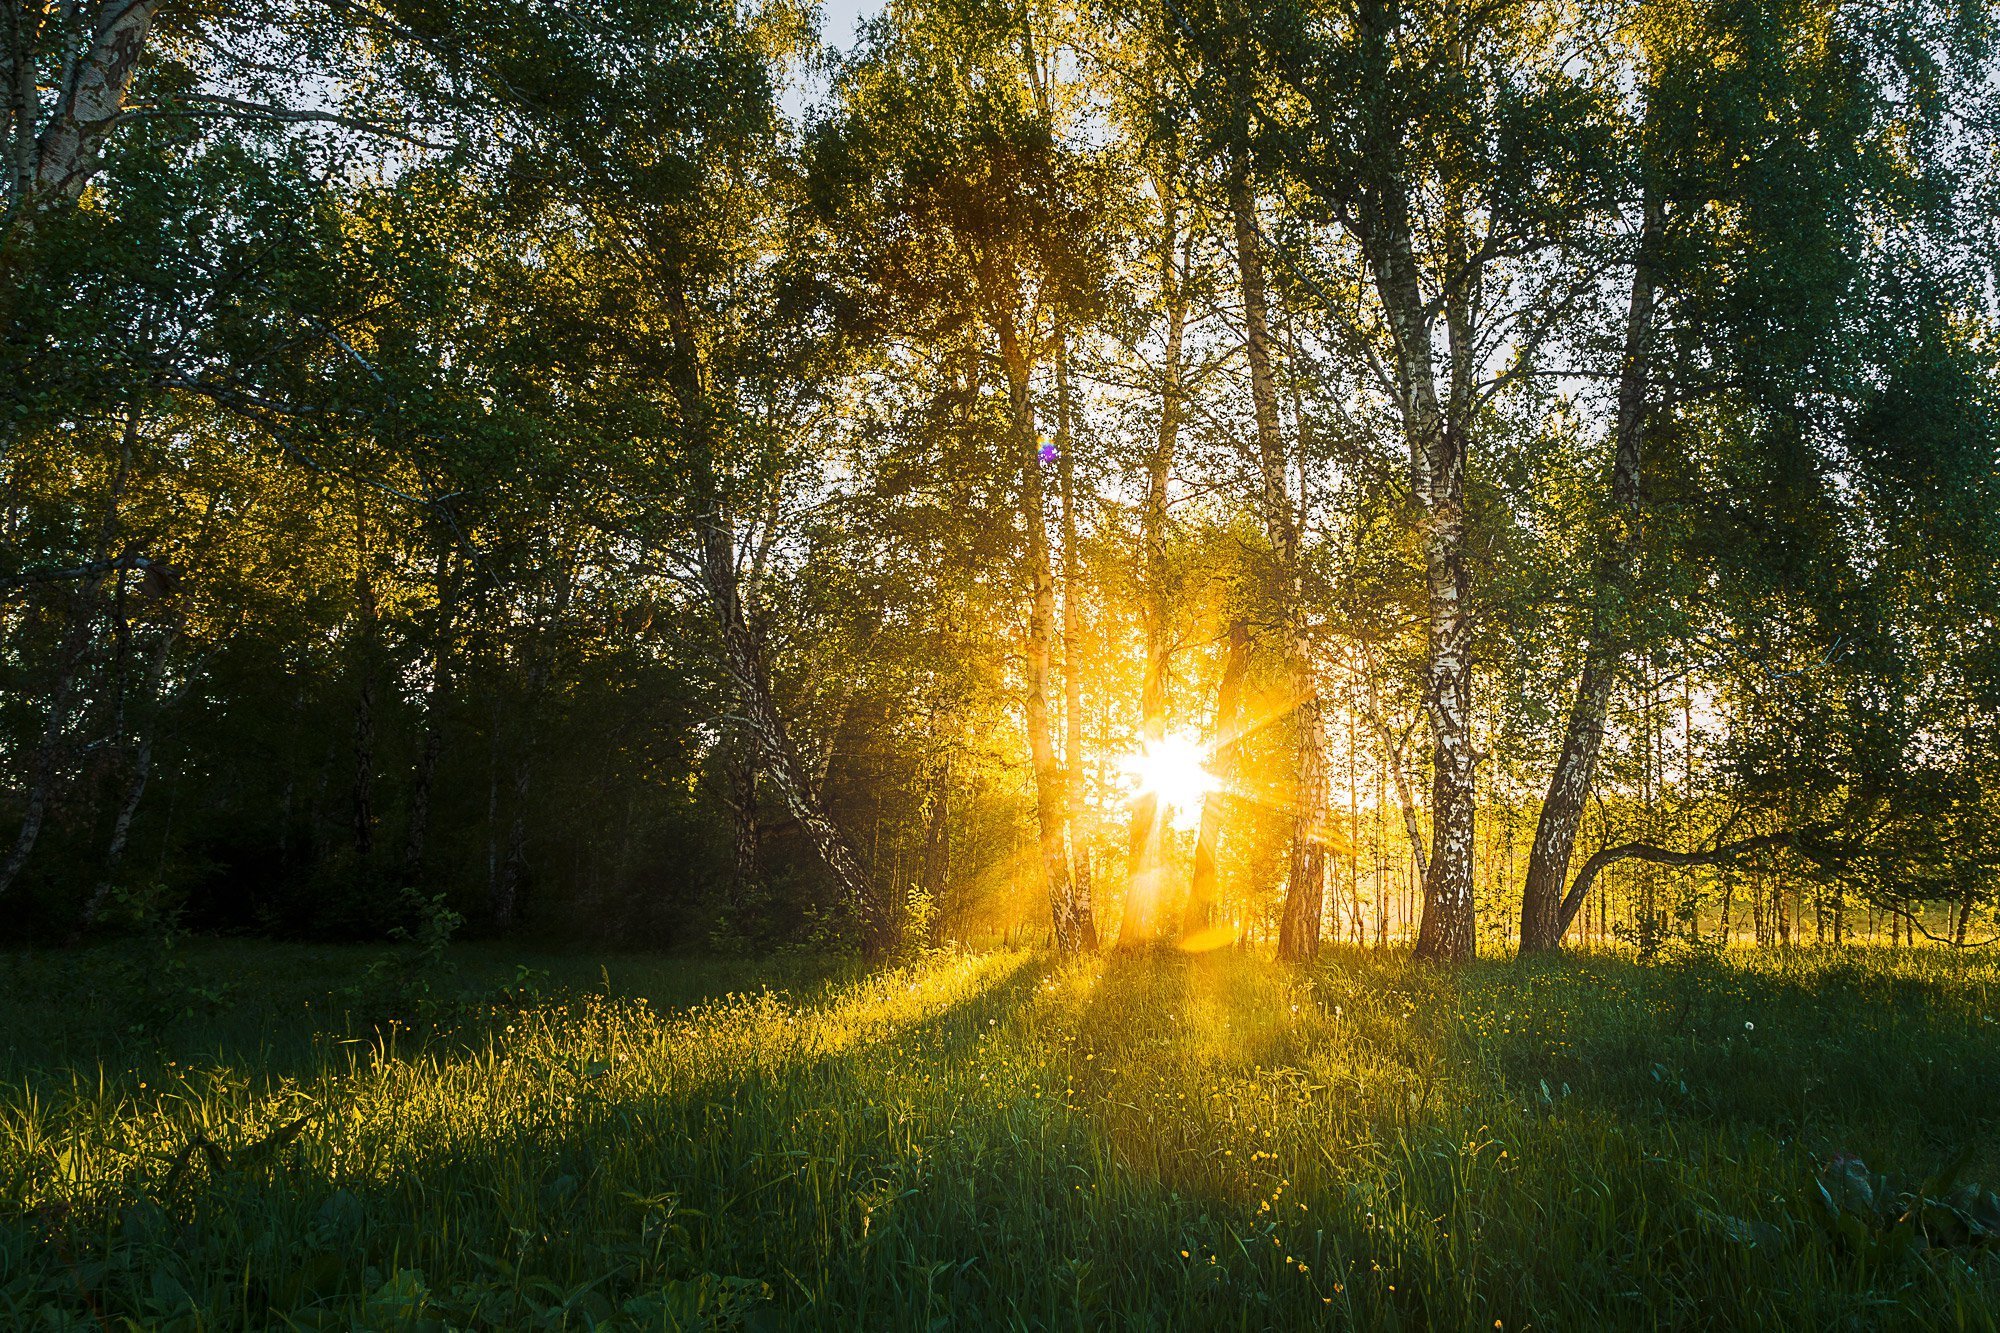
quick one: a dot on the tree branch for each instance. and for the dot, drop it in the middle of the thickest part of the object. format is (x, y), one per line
(1727, 853)
(214, 105)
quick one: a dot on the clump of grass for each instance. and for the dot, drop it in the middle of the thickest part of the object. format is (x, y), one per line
(996, 1140)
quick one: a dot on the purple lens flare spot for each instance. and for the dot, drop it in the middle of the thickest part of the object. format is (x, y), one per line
(1048, 453)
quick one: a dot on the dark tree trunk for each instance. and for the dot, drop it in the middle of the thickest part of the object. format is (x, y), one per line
(436, 703)
(1305, 884)
(364, 771)
(42, 771)
(48, 750)
(135, 787)
(780, 763)
(366, 666)
(746, 829)
(506, 902)
(936, 867)
(1724, 855)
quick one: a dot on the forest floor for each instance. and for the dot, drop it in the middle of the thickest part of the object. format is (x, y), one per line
(225, 1135)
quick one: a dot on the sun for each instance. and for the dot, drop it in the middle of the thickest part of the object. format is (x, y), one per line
(1171, 769)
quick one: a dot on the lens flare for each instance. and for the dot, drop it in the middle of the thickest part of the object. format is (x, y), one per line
(1172, 770)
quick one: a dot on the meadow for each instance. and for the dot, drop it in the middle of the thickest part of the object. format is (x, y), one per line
(235, 1135)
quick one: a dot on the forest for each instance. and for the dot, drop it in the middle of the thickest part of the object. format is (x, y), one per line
(636, 472)
(1349, 584)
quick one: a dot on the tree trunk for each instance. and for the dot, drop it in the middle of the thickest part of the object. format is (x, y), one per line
(135, 789)
(936, 866)
(1583, 739)
(42, 772)
(54, 161)
(742, 654)
(1051, 804)
(743, 660)
(1305, 886)
(1276, 500)
(436, 702)
(542, 651)
(745, 829)
(1214, 807)
(1392, 759)
(364, 771)
(1144, 914)
(1072, 633)
(367, 663)
(1724, 855)
(513, 867)
(1437, 482)
(69, 661)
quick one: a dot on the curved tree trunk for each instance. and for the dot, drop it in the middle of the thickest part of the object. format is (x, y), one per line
(743, 660)
(1726, 854)
(1542, 923)
(42, 772)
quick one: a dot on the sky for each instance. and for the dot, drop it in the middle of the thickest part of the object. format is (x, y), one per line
(839, 22)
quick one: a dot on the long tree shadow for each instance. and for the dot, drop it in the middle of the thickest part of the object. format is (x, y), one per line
(556, 1174)
(1828, 1048)
(1126, 1142)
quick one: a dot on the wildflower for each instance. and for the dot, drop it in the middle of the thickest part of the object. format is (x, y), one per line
(1749, 1026)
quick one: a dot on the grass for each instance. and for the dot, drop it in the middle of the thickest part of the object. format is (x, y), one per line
(989, 1141)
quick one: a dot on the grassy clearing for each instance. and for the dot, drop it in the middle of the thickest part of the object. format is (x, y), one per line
(995, 1142)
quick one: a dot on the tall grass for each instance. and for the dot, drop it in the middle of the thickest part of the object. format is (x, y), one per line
(997, 1141)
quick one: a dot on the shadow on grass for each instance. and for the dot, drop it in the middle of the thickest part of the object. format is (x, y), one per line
(1140, 1141)
(585, 1184)
(1824, 1048)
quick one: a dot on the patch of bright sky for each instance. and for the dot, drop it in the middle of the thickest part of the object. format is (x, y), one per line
(840, 28)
